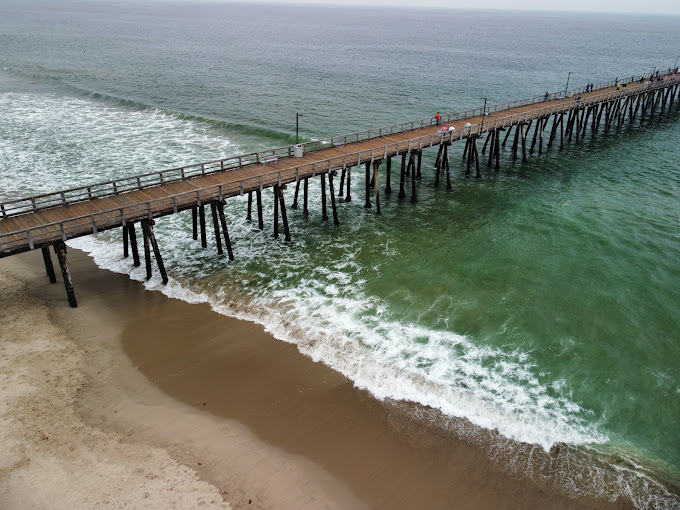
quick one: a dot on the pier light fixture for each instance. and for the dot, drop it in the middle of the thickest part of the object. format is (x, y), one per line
(481, 127)
(566, 89)
(297, 127)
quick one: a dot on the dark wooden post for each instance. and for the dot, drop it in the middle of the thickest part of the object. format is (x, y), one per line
(497, 150)
(294, 205)
(147, 225)
(49, 268)
(305, 196)
(260, 219)
(388, 176)
(147, 249)
(515, 142)
(249, 216)
(276, 211)
(126, 252)
(524, 142)
(438, 164)
(446, 164)
(412, 165)
(420, 160)
(348, 198)
(133, 242)
(60, 250)
(367, 203)
(225, 230)
(342, 181)
(324, 212)
(332, 174)
(478, 175)
(194, 222)
(490, 138)
(216, 227)
(376, 165)
(553, 129)
(505, 139)
(284, 216)
(204, 234)
(402, 178)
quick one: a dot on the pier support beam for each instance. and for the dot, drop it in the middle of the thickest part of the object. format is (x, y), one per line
(348, 195)
(60, 250)
(412, 168)
(132, 234)
(305, 197)
(367, 203)
(284, 216)
(49, 268)
(204, 235)
(194, 223)
(376, 188)
(260, 219)
(402, 177)
(332, 174)
(150, 238)
(388, 176)
(225, 230)
(216, 228)
(324, 209)
(249, 216)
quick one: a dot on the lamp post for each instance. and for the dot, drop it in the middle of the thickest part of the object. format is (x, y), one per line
(481, 127)
(567, 87)
(297, 126)
(675, 66)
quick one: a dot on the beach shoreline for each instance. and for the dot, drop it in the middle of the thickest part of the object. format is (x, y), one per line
(247, 417)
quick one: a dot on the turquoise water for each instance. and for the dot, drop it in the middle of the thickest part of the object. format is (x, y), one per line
(540, 302)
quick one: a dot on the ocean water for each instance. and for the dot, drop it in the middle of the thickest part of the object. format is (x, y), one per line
(539, 304)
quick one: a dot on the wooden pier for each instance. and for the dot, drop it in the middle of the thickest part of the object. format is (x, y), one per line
(531, 125)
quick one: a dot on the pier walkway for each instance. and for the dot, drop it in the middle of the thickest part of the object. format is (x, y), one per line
(51, 219)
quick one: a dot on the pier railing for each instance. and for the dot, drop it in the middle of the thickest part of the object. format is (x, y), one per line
(138, 182)
(24, 240)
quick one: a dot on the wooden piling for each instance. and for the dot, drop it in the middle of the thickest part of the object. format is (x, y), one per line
(336, 222)
(388, 176)
(324, 212)
(249, 215)
(402, 177)
(194, 222)
(294, 205)
(446, 165)
(133, 244)
(420, 161)
(60, 250)
(284, 215)
(367, 203)
(376, 165)
(126, 253)
(348, 197)
(49, 268)
(216, 228)
(305, 197)
(342, 181)
(412, 165)
(260, 218)
(276, 211)
(147, 249)
(147, 226)
(204, 236)
(225, 230)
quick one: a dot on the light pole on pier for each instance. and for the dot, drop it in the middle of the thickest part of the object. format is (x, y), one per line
(675, 66)
(481, 127)
(567, 87)
(297, 126)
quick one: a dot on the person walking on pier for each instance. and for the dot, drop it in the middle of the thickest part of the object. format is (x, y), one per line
(437, 118)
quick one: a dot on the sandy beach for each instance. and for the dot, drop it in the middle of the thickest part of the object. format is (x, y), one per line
(135, 400)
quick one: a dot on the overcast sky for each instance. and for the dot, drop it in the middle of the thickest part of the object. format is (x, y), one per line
(628, 6)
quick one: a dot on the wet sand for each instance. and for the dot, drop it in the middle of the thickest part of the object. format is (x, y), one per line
(249, 416)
